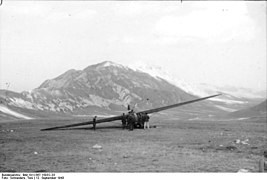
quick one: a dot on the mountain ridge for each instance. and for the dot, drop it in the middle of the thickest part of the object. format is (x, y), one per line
(259, 110)
(108, 86)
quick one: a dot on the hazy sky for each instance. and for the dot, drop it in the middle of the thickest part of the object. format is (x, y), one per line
(220, 43)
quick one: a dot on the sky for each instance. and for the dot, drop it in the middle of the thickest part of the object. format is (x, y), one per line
(218, 43)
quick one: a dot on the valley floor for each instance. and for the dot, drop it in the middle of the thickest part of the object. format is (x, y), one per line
(173, 146)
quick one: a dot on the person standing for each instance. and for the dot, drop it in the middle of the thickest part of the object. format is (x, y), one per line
(146, 121)
(94, 123)
(263, 163)
(131, 120)
(123, 120)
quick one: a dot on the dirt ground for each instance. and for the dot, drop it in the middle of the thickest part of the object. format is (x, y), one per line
(173, 146)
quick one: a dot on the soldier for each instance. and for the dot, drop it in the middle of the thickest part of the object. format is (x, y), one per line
(146, 120)
(123, 120)
(131, 120)
(94, 122)
(263, 163)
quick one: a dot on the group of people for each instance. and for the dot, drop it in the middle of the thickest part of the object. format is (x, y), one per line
(128, 122)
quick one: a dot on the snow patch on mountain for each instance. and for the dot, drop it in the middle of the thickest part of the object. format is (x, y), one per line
(228, 101)
(21, 103)
(230, 92)
(158, 73)
(200, 90)
(110, 64)
(13, 113)
(225, 108)
(154, 71)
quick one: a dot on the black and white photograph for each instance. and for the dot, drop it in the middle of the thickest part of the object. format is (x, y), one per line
(132, 87)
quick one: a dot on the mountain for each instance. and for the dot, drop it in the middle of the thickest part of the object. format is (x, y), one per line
(101, 88)
(107, 87)
(7, 113)
(200, 89)
(254, 111)
(232, 98)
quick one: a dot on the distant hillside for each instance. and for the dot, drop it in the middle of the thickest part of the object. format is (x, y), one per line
(255, 111)
(107, 87)
(100, 88)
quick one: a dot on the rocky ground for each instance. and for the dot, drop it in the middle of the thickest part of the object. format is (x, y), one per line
(198, 145)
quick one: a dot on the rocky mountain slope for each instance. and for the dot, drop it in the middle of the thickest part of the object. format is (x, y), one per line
(104, 86)
(107, 87)
(233, 97)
